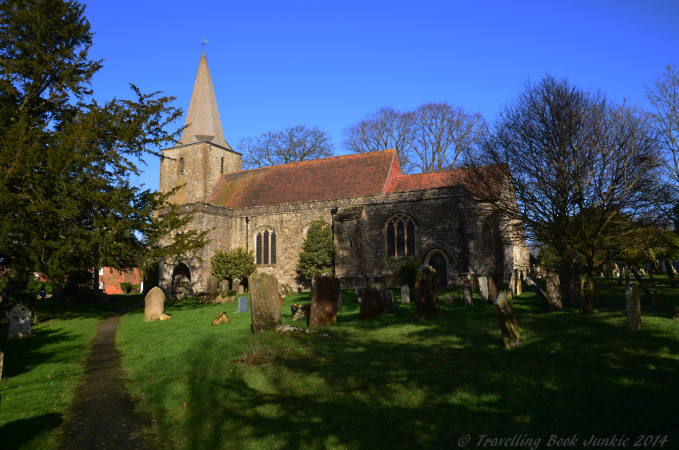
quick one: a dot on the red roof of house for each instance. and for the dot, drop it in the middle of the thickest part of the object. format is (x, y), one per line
(325, 179)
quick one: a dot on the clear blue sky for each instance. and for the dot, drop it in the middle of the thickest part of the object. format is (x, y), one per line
(276, 64)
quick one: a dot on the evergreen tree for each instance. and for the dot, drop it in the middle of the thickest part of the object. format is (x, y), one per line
(66, 200)
(236, 263)
(318, 251)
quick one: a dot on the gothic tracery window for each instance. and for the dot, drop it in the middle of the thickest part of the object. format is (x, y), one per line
(265, 247)
(400, 236)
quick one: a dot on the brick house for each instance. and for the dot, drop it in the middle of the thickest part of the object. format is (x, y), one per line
(379, 216)
(110, 279)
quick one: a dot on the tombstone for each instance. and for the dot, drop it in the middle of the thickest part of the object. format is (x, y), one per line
(224, 285)
(265, 305)
(426, 283)
(536, 289)
(504, 309)
(633, 306)
(241, 289)
(154, 304)
(492, 288)
(340, 299)
(405, 294)
(553, 290)
(483, 288)
(663, 267)
(519, 286)
(324, 301)
(19, 323)
(212, 284)
(468, 295)
(242, 304)
(370, 303)
(512, 283)
(236, 286)
(386, 301)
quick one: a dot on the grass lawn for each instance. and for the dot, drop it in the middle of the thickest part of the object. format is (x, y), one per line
(41, 373)
(390, 383)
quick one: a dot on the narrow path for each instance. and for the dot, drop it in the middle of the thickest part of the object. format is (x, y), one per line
(102, 413)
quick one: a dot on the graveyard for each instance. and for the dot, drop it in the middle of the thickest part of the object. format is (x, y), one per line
(388, 382)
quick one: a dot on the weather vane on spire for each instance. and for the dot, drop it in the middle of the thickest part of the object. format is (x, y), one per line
(203, 43)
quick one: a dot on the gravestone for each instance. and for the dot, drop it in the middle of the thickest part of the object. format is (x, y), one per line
(468, 298)
(512, 283)
(536, 289)
(504, 309)
(426, 284)
(663, 267)
(492, 288)
(340, 299)
(483, 288)
(236, 285)
(241, 289)
(370, 302)
(19, 323)
(324, 300)
(212, 284)
(242, 304)
(265, 305)
(519, 286)
(553, 290)
(224, 285)
(633, 306)
(154, 304)
(405, 294)
(386, 301)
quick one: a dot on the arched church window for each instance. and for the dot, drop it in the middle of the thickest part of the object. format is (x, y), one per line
(265, 247)
(400, 236)
(221, 170)
(181, 166)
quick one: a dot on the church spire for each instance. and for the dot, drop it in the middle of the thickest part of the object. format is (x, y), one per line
(203, 116)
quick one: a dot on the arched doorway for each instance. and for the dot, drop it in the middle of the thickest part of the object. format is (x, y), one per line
(438, 263)
(181, 277)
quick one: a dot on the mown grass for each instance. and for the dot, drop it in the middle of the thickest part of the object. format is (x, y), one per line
(391, 383)
(40, 374)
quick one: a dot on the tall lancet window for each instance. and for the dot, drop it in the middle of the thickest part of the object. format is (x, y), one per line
(221, 170)
(181, 166)
(265, 247)
(400, 235)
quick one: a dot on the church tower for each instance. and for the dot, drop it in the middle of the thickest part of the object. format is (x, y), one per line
(202, 155)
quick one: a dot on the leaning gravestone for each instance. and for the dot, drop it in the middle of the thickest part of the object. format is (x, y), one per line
(504, 309)
(386, 301)
(265, 305)
(405, 294)
(468, 299)
(340, 299)
(19, 323)
(154, 304)
(483, 288)
(370, 303)
(492, 288)
(633, 306)
(242, 304)
(426, 284)
(212, 284)
(536, 289)
(324, 301)
(553, 290)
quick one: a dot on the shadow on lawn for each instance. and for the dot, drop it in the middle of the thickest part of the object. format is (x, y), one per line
(449, 377)
(22, 431)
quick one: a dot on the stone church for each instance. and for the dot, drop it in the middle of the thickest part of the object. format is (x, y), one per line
(379, 216)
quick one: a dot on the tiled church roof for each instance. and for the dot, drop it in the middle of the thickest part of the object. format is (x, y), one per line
(326, 179)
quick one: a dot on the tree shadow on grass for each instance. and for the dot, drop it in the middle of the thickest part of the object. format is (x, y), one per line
(20, 432)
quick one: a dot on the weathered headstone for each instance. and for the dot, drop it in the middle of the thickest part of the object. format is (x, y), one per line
(19, 323)
(536, 289)
(340, 299)
(324, 300)
(265, 305)
(633, 306)
(504, 309)
(405, 294)
(386, 301)
(483, 288)
(553, 290)
(512, 283)
(241, 289)
(468, 295)
(370, 302)
(224, 285)
(154, 304)
(519, 286)
(426, 284)
(212, 284)
(242, 304)
(492, 288)
(236, 286)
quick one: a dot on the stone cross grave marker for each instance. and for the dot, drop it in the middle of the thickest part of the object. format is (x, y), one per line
(468, 295)
(242, 304)
(633, 306)
(426, 284)
(265, 305)
(154, 304)
(405, 294)
(370, 302)
(324, 301)
(19, 323)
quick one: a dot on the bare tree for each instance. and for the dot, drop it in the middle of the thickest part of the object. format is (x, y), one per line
(293, 144)
(576, 170)
(664, 118)
(384, 130)
(442, 133)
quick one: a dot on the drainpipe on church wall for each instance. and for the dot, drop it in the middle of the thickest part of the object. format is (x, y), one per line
(247, 234)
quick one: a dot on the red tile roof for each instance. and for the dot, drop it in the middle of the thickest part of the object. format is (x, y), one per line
(458, 177)
(329, 178)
